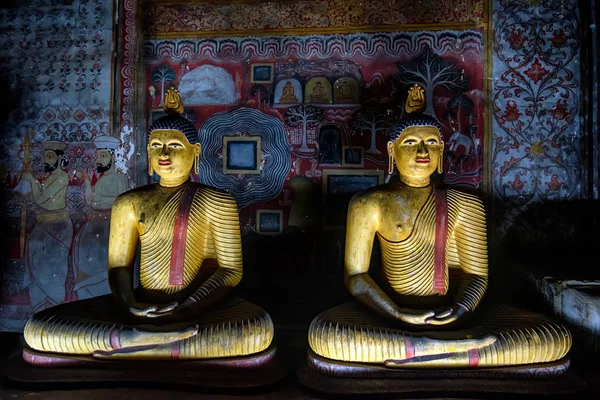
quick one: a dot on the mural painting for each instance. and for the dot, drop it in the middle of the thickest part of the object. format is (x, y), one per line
(319, 104)
(60, 167)
(536, 155)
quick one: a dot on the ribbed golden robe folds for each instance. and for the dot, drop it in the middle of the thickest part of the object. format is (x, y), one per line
(234, 327)
(354, 333)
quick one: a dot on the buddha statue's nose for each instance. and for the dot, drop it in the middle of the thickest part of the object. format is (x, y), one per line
(421, 148)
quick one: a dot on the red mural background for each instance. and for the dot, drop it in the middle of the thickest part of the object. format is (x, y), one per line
(448, 64)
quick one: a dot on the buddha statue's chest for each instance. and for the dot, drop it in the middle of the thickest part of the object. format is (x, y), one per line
(399, 213)
(174, 244)
(158, 212)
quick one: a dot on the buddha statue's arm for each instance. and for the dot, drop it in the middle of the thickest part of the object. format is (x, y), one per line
(224, 226)
(122, 248)
(361, 226)
(471, 244)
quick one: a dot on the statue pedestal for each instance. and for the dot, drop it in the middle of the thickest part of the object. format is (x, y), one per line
(242, 372)
(332, 376)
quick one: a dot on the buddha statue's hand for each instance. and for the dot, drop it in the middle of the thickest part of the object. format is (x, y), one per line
(414, 317)
(446, 315)
(146, 337)
(152, 310)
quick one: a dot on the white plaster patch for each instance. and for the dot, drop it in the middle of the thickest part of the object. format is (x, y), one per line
(208, 85)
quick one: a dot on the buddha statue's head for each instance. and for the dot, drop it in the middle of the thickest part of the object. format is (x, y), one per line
(416, 144)
(173, 147)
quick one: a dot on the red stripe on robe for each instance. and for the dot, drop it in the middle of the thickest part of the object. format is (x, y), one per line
(179, 236)
(473, 357)
(441, 236)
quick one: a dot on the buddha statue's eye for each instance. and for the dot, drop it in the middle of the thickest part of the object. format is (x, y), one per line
(409, 142)
(431, 141)
(156, 145)
(175, 145)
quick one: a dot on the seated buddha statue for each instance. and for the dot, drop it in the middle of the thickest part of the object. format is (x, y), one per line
(434, 273)
(344, 93)
(190, 260)
(287, 94)
(319, 96)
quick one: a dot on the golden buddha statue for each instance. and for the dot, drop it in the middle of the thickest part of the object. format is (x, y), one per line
(434, 274)
(287, 94)
(319, 95)
(344, 94)
(191, 258)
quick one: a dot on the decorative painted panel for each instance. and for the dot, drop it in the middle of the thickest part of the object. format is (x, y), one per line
(60, 167)
(179, 19)
(536, 155)
(325, 103)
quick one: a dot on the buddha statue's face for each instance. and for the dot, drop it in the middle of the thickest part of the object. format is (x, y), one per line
(171, 154)
(418, 153)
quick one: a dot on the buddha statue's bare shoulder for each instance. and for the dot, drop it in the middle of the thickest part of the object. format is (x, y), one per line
(142, 204)
(373, 195)
(135, 197)
(378, 196)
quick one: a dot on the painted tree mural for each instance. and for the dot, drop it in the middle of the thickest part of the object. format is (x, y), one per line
(431, 71)
(303, 115)
(161, 75)
(261, 92)
(373, 121)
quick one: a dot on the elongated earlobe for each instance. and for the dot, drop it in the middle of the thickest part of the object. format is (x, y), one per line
(150, 170)
(440, 167)
(390, 148)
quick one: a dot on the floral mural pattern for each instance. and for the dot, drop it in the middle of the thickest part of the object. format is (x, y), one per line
(306, 14)
(56, 63)
(536, 156)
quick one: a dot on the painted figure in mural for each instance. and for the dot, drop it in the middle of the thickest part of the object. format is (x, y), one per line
(319, 96)
(184, 68)
(344, 93)
(152, 93)
(191, 258)
(90, 254)
(459, 149)
(288, 96)
(330, 145)
(50, 239)
(434, 274)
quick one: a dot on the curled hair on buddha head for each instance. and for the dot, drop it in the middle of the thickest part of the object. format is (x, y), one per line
(174, 120)
(414, 106)
(414, 119)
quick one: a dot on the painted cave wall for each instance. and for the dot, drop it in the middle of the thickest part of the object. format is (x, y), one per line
(540, 153)
(293, 103)
(55, 63)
